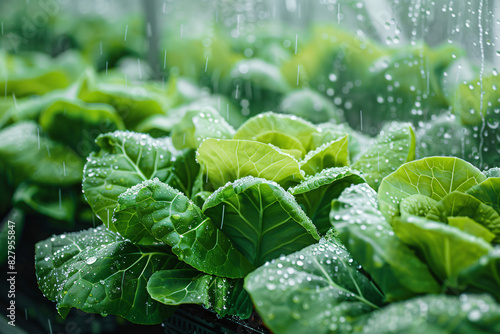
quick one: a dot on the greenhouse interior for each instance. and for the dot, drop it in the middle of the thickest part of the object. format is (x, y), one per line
(249, 166)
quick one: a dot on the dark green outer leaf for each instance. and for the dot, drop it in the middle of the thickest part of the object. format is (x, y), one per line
(314, 290)
(262, 220)
(478, 314)
(394, 146)
(488, 192)
(29, 155)
(189, 286)
(126, 159)
(433, 177)
(98, 271)
(484, 275)
(170, 217)
(315, 193)
(370, 239)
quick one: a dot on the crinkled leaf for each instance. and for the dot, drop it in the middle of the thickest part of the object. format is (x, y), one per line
(369, 238)
(126, 159)
(333, 154)
(433, 177)
(314, 290)
(488, 192)
(29, 155)
(416, 205)
(435, 314)
(316, 193)
(198, 125)
(446, 249)
(228, 160)
(394, 146)
(169, 216)
(262, 220)
(464, 205)
(98, 271)
(267, 123)
(188, 286)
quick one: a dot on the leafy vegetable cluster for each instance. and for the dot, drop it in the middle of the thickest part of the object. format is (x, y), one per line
(212, 199)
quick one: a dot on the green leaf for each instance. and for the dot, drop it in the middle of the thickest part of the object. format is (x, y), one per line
(435, 314)
(169, 216)
(446, 249)
(492, 172)
(57, 203)
(259, 73)
(468, 225)
(126, 159)
(228, 160)
(331, 132)
(333, 154)
(488, 192)
(315, 193)
(262, 220)
(29, 155)
(433, 177)
(198, 125)
(465, 205)
(78, 124)
(260, 127)
(187, 286)
(416, 205)
(98, 271)
(133, 104)
(394, 146)
(315, 290)
(484, 275)
(370, 239)
(311, 105)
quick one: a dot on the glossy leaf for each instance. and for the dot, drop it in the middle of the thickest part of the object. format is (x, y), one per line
(370, 239)
(262, 220)
(316, 193)
(269, 122)
(315, 290)
(465, 205)
(169, 216)
(446, 249)
(394, 146)
(435, 314)
(187, 286)
(78, 124)
(433, 177)
(470, 226)
(228, 160)
(126, 159)
(198, 125)
(488, 192)
(333, 154)
(416, 205)
(98, 271)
